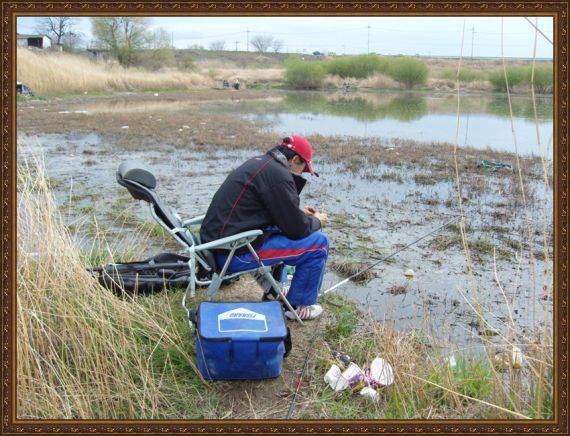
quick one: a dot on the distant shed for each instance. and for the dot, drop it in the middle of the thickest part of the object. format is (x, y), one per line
(34, 41)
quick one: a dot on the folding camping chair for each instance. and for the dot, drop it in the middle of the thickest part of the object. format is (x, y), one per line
(140, 183)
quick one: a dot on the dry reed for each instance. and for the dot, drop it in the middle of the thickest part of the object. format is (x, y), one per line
(53, 73)
(82, 353)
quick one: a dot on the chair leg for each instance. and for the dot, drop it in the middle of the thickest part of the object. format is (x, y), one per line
(214, 285)
(261, 278)
(277, 289)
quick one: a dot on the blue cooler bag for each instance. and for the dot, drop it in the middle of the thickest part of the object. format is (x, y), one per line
(241, 340)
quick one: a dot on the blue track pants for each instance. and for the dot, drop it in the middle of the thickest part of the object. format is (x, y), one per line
(307, 255)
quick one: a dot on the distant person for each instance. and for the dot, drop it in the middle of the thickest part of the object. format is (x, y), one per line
(236, 84)
(226, 84)
(263, 193)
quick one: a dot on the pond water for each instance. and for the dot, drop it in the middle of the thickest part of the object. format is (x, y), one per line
(484, 121)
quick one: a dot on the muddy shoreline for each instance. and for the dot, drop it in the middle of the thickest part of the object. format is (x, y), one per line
(380, 196)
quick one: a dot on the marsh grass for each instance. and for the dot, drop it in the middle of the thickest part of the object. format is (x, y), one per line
(60, 73)
(349, 267)
(83, 353)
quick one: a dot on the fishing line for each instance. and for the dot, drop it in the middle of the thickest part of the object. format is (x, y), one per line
(388, 257)
(318, 331)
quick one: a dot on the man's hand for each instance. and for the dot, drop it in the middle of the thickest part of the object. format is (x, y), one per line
(322, 217)
(309, 210)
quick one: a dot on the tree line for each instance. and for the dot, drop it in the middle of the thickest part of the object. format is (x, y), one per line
(124, 36)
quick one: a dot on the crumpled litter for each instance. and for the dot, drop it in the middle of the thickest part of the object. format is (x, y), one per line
(378, 375)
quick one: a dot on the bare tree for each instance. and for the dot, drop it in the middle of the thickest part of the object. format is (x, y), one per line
(218, 45)
(261, 43)
(161, 39)
(122, 35)
(277, 45)
(59, 29)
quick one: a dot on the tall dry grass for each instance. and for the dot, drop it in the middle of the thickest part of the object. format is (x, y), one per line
(533, 395)
(54, 73)
(83, 353)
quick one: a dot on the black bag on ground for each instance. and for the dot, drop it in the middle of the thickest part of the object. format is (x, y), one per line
(150, 275)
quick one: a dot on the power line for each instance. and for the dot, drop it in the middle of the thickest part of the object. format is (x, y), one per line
(368, 51)
(472, 39)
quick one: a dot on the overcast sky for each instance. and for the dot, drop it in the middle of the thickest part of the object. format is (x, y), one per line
(429, 36)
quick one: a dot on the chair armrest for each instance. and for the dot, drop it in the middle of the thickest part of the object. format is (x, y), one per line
(195, 220)
(229, 242)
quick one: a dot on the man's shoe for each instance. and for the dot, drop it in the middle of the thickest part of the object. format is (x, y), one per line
(306, 312)
(271, 295)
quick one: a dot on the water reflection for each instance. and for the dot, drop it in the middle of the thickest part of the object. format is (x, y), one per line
(484, 121)
(522, 108)
(406, 107)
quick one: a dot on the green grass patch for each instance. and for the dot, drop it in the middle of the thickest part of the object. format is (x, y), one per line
(358, 67)
(514, 77)
(408, 71)
(466, 75)
(300, 74)
(152, 230)
(346, 318)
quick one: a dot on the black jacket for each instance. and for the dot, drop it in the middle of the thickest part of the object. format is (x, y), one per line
(261, 192)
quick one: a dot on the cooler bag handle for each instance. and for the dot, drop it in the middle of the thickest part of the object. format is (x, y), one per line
(288, 343)
(193, 320)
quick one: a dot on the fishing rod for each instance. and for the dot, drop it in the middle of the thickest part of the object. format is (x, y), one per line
(384, 259)
(298, 388)
(318, 332)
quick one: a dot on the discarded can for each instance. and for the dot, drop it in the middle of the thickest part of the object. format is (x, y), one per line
(344, 359)
(451, 363)
(517, 358)
(506, 359)
(354, 376)
(380, 373)
(369, 392)
(335, 380)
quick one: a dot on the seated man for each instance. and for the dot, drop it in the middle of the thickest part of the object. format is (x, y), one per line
(263, 193)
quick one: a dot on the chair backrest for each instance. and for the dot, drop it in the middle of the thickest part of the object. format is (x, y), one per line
(140, 183)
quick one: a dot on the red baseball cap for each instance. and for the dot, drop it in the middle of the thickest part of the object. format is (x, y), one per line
(302, 147)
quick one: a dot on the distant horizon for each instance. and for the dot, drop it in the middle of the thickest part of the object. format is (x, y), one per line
(356, 54)
(443, 36)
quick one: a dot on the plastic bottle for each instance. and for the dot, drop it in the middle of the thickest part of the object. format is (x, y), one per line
(343, 359)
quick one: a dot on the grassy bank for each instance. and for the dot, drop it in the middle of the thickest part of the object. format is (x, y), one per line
(49, 73)
(85, 353)
(53, 73)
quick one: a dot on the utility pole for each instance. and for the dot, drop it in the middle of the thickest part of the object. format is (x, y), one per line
(237, 42)
(472, 39)
(368, 39)
(247, 43)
